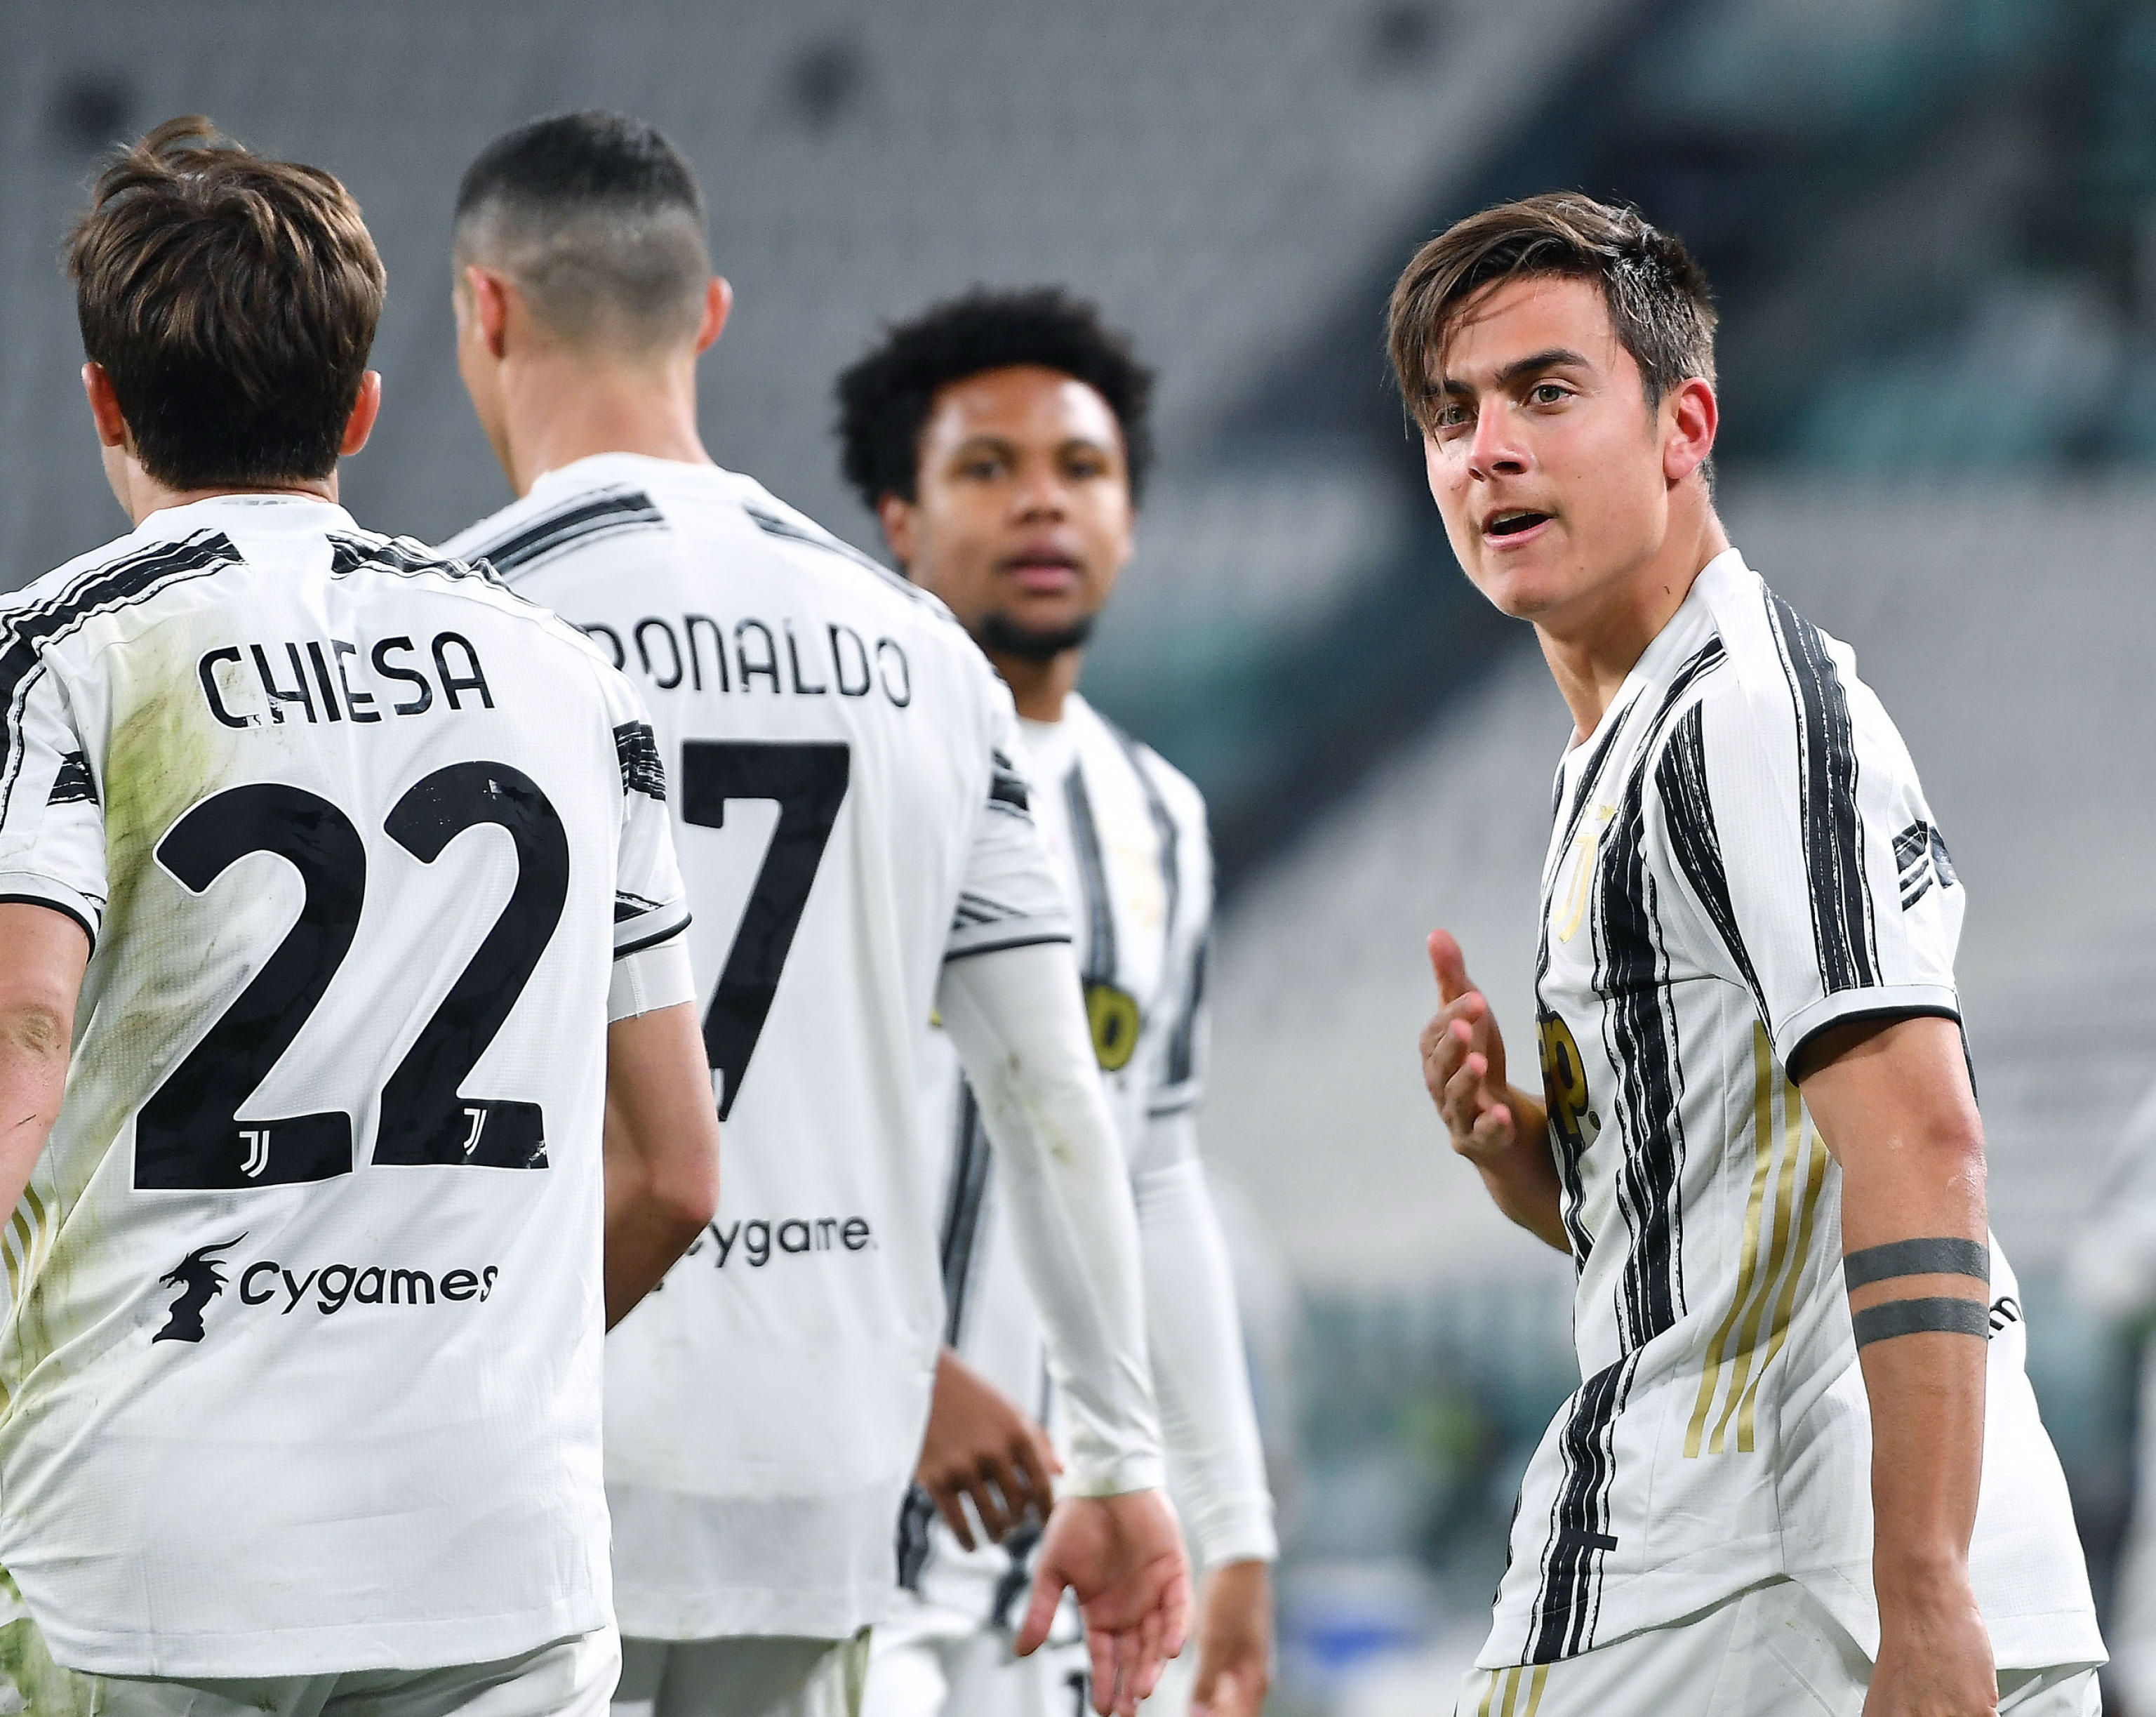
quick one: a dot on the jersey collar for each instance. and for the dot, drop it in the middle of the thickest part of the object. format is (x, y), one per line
(298, 513)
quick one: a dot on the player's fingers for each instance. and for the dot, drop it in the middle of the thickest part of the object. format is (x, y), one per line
(1100, 1657)
(1463, 1101)
(1175, 1616)
(1034, 1459)
(1040, 1610)
(1146, 1670)
(950, 1505)
(1449, 964)
(990, 1488)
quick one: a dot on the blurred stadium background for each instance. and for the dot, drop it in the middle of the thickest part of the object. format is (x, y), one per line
(1932, 224)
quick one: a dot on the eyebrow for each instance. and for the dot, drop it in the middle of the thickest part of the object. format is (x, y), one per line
(1556, 358)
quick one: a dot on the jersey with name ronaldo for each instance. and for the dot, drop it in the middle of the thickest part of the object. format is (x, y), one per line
(1741, 857)
(849, 818)
(1128, 834)
(301, 1366)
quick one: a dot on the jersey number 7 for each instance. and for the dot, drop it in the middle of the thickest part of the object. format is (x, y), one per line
(187, 1137)
(808, 779)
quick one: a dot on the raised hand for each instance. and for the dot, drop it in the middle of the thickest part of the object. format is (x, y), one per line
(1463, 1060)
(1122, 1557)
(1498, 1128)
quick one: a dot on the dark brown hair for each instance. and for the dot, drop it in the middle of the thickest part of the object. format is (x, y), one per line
(1659, 301)
(233, 301)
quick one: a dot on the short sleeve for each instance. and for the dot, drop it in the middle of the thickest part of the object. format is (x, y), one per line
(1794, 812)
(650, 904)
(51, 820)
(1010, 897)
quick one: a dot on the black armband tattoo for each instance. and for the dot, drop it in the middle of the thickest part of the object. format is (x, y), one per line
(1940, 1257)
(1909, 1317)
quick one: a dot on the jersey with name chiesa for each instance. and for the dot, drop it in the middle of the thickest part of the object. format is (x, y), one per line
(1742, 857)
(301, 1363)
(1128, 834)
(851, 817)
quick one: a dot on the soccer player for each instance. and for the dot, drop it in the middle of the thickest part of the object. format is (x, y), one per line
(859, 851)
(1002, 440)
(1804, 1471)
(335, 859)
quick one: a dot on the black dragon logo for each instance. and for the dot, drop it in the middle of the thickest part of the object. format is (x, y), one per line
(200, 1281)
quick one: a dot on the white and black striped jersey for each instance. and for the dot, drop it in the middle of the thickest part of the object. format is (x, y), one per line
(301, 1364)
(1742, 857)
(850, 819)
(1129, 836)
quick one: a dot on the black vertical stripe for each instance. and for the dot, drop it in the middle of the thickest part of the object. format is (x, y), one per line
(25, 631)
(1579, 1539)
(1639, 1032)
(1182, 1043)
(1688, 811)
(1092, 881)
(1842, 929)
(1590, 772)
(1639, 1037)
(962, 1231)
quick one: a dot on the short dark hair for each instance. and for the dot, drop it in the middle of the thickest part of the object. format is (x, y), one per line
(233, 302)
(598, 219)
(1659, 301)
(886, 395)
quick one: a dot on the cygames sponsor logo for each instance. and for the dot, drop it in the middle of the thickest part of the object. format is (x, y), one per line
(329, 1290)
(326, 1290)
(756, 1241)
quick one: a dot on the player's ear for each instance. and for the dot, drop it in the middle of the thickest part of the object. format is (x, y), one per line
(488, 297)
(1691, 416)
(104, 406)
(718, 306)
(365, 410)
(895, 516)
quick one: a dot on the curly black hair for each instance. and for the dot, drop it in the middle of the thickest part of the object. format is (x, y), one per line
(885, 396)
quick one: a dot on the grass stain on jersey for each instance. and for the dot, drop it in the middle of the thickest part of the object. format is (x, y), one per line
(27, 1672)
(163, 754)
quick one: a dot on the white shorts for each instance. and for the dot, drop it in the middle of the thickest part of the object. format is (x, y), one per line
(570, 1678)
(745, 1675)
(926, 1661)
(1772, 1651)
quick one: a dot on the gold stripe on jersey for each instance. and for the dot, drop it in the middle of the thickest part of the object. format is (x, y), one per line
(1511, 1683)
(1786, 1226)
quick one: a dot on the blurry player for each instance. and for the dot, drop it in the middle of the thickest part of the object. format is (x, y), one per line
(859, 849)
(302, 1359)
(1752, 1059)
(1001, 439)
(2112, 1271)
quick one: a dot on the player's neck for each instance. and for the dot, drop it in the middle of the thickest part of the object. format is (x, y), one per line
(1590, 652)
(561, 409)
(1040, 689)
(140, 495)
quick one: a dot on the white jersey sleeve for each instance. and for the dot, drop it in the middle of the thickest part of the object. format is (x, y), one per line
(651, 968)
(52, 825)
(1020, 1031)
(1010, 897)
(1792, 810)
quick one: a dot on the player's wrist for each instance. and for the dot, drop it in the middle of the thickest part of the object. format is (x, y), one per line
(1917, 1584)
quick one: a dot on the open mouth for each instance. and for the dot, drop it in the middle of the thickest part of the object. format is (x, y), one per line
(1513, 522)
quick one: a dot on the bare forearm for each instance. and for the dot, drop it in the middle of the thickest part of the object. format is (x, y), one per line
(662, 1150)
(1893, 1105)
(33, 1062)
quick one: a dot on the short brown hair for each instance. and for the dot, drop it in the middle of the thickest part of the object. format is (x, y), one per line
(1659, 301)
(233, 301)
